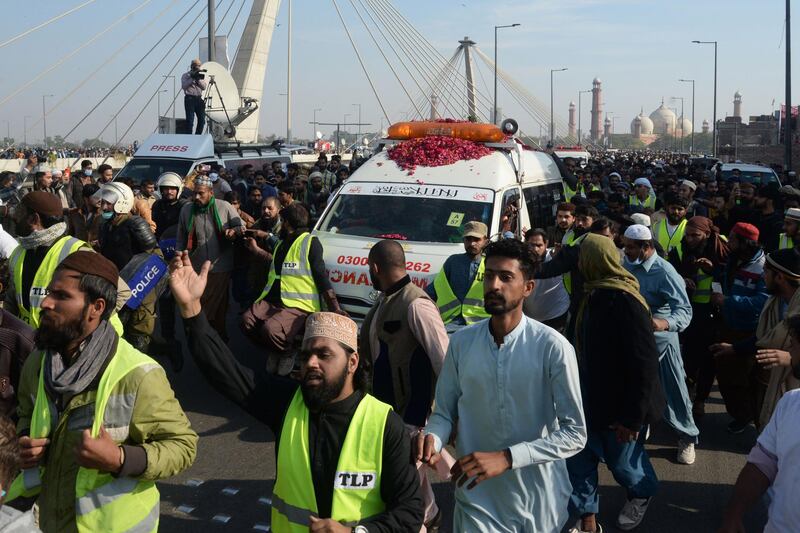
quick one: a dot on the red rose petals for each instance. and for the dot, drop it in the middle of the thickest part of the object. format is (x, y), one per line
(434, 151)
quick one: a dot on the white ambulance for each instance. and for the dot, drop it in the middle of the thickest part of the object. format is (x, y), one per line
(511, 189)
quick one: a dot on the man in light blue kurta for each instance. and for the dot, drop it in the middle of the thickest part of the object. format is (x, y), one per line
(510, 386)
(665, 292)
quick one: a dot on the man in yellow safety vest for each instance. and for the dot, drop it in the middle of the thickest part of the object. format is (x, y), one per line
(791, 225)
(458, 288)
(643, 196)
(669, 231)
(99, 422)
(296, 285)
(360, 478)
(44, 243)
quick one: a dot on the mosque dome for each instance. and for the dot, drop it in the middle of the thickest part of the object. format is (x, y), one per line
(664, 120)
(646, 125)
(737, 94)
(706, 122)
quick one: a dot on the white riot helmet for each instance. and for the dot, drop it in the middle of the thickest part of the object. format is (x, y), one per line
(119, 195)
(170, 179)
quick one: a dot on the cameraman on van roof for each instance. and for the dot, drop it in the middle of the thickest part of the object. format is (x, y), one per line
(193, 85)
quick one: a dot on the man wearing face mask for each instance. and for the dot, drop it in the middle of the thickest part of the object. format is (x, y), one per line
(665, 292)
(122, 236)
(295, 287)
(43, 245)
(321, 425)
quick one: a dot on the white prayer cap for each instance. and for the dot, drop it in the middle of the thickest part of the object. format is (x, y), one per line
(641, 218)
(793, 213)
(689, 183)
(638, 232)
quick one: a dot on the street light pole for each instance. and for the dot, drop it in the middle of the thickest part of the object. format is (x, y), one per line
(289, 78)
(314, 134)
(714, 131)
(494, 109)
(693, 122)
(159, 102)
(787, 132)
(25, 130)
(44, 119)
(681, 98)
(580, 135)
(359, 121)
(174, 95)
(552, 123)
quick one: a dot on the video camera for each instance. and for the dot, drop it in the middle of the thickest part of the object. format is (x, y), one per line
(197, 74)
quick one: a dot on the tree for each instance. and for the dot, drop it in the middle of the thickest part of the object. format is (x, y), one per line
(8, 141)
(94, 143)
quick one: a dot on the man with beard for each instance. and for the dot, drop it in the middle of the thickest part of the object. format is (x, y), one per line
(113, 426)
(317, 197)
(458, 288)
(404, 339)
(565, 216)
(343, 456)
(744, 295)
(767, 350)
(548, 302)
(770, 220)
(510, 385)
(43, 244)
(296, 284)
(669, 231)
(773, 464)
(744, 210)
(206, 227)
(700, 259)
(665, 292)
(620, 384)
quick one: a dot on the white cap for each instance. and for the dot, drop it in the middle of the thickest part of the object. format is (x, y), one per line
(638, 232)
(792, 213)
(641, 219)
(689, 183)
(643, 181)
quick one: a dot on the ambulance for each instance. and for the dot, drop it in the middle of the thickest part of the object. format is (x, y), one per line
(511, 189)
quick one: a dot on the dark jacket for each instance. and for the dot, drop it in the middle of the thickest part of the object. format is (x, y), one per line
(618, 362)
(16, 343)
(121, 240)
(166, 215)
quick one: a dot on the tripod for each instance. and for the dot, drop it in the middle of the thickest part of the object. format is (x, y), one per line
(229, 130)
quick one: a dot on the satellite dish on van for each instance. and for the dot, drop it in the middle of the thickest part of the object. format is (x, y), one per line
(221, 94)
(319, 135)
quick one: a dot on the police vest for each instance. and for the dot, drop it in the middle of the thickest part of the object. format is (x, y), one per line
(569, 194)
(702, 282)
(661, 233)
(649, 203)
(451, 307)
(102, 502)
(785, 242)
(59, 251)
(298, 289)
(357, 485)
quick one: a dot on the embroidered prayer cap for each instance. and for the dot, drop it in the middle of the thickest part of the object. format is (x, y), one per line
(786, 261)
(792, 213)
(332, 326)
(93, 264)
(641, 218)
(43, 203)
(203, 181)
(638, 232)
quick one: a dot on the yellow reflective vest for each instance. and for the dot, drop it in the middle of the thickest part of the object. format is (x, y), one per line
(102, 502)
(702, 283)
(451, 307)
(569, 240)
(649, 203)
(357, 484)
(298, 289)
(662, 235)
(59, 251)
(785, 242)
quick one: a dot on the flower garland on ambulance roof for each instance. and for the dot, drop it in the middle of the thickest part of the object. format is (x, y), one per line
(434, 151)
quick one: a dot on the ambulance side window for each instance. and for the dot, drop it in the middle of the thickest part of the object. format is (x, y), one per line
(509, 212)
(541, 202)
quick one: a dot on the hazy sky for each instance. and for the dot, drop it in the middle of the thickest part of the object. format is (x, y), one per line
(638, 49)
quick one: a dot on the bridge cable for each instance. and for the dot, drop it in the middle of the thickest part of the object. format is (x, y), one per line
(45, 23)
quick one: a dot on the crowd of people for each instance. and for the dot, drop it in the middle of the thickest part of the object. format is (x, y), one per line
(64, 152)
(525, 364)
